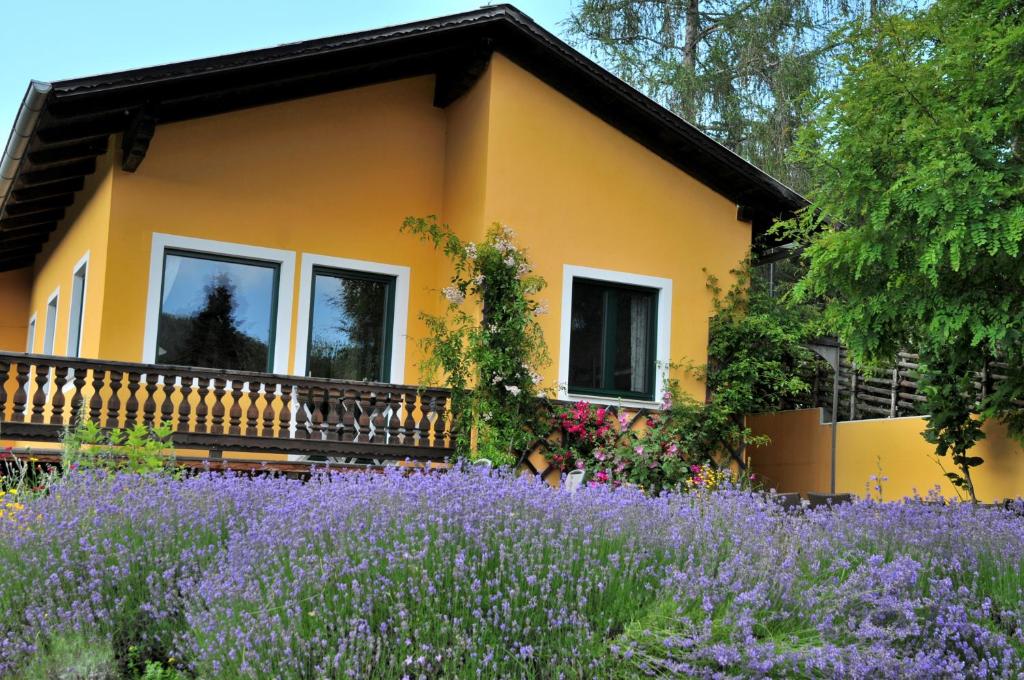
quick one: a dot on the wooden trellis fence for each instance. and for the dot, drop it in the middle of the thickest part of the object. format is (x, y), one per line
(894, 392)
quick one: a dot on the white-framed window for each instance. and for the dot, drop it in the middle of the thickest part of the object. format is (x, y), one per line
(76, 319)
(218, 304)
(614, 343)
(30, 341)
(50, 330)
(352, 320)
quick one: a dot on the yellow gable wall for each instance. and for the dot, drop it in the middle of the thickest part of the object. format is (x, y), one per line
(579, 192)
(332, 175)
(466, 152)
(84, 229)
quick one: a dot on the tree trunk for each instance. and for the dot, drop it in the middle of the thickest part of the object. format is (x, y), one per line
(692, 35)
(691, 40)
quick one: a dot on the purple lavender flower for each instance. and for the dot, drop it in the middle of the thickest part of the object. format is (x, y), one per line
(481, 575)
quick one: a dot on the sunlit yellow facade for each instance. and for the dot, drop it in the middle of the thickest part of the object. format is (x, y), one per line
(334, 175)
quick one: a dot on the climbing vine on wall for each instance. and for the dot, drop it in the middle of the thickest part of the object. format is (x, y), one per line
(486, 345)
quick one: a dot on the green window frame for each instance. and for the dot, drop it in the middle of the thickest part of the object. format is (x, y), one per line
(390, 283)
(275, 267)
(611, 293)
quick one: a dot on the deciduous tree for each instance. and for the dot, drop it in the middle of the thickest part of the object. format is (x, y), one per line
(916, 231)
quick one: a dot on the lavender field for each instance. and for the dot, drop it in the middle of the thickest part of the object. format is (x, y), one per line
(469, 575)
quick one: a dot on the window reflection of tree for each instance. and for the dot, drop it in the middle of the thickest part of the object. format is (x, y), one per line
(212, 337)
(353, 347)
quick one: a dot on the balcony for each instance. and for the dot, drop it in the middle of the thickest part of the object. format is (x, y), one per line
(226, 411)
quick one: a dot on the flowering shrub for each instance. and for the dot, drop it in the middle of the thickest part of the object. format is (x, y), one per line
(589, 437)
(466, 575)
(489, 355)
(708, 478)
(667, 451)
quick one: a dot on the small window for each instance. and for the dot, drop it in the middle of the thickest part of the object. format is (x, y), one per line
(612, 340)
(30, 343)
(51, 325)
(217, 312)
(77, 312)
(350, 322)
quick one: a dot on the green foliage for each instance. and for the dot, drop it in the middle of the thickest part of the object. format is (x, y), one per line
(140, 449)
(73, 656)
(756, 355)
(741, 71)
(952, 427)
(916, 232)
(157, 671)
(489, 355)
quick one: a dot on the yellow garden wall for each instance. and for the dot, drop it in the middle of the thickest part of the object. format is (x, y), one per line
(798, 459)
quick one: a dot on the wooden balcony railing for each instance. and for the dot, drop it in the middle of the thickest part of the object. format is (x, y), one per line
(219, 410)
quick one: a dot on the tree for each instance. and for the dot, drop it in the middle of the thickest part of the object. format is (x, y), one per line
(741, 70)
(915, 234)
(756, 355)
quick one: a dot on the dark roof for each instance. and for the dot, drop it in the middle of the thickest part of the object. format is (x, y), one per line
(78, 116)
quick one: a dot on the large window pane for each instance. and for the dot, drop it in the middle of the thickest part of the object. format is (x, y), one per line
(586, 339)
(611, 342)
(77, 311)
(51, 326)
(217, 312)
(350, 325)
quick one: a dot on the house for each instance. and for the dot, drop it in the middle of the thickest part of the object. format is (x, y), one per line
(223, 212)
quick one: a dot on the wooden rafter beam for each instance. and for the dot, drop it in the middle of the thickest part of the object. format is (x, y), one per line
(107, 123)
(64, 186)
(137, 137)
(30, 221)
(22, 251)
(86, 166)
(12, 238)
(89, 148)
(9, 263)
(14, 209)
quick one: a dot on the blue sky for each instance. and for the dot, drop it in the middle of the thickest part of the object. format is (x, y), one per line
(56, 39)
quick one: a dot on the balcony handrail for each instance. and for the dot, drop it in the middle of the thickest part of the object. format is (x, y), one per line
(177, 370)
(218, 409)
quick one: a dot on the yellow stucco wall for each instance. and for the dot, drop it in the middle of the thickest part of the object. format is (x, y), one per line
(799, 457)
(331, 175)
(15, 294)
(466, 153)
(336, 175)
(579, 192)
(83, 230)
